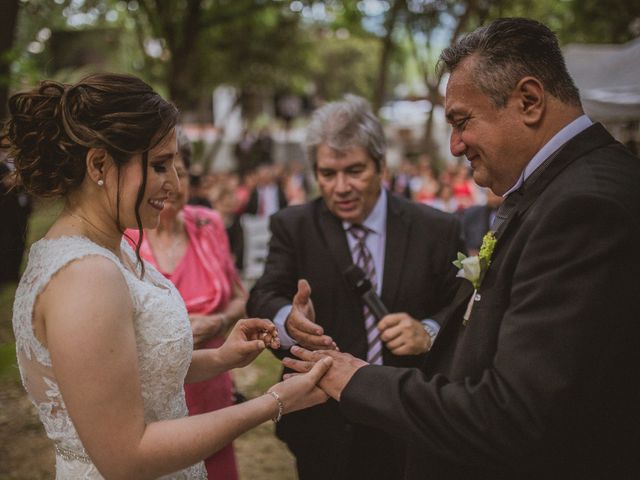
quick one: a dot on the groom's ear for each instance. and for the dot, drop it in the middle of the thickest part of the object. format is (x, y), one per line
(531, 100)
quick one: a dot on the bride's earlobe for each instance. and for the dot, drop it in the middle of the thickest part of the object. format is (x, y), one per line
(97, 159)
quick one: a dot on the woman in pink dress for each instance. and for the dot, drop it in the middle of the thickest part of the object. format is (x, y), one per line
(190, 248)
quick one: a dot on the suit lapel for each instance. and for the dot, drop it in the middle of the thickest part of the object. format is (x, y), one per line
(334, 237)
(593, 137)
(397, 235)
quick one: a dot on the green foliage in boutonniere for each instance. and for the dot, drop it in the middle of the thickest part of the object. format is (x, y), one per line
(474, 269)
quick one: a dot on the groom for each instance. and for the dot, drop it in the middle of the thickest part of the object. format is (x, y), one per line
(543, 380)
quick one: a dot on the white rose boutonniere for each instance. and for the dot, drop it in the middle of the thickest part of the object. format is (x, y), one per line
(474, 269)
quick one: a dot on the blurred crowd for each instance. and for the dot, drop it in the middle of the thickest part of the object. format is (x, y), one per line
(260, 186)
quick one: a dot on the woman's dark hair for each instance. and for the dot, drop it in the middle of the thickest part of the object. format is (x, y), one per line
(51, 129)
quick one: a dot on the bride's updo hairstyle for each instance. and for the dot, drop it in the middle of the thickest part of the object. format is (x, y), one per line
(51, 128)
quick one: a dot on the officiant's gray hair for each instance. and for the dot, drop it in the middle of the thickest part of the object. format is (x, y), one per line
(508, 50)
(345, 124)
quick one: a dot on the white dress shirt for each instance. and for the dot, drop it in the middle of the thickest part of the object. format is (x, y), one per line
(558, 140)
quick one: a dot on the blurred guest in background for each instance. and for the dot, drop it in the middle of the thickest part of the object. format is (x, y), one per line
(262, 148)
(464, 189)
(477, 220)
(227, 206)
(401, 180)
(15, 208)
(268, 196)
(243, 151)
(191, 249)
(295, 182)
(444, 199)
(424, 185)
(198, 192)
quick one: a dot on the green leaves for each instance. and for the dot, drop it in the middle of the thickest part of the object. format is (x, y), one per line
(475, 268)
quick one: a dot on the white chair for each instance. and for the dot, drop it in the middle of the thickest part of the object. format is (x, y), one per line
(256, 234)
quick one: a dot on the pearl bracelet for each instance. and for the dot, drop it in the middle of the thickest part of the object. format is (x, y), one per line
(277, 418)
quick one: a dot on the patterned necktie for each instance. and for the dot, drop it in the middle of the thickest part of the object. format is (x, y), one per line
(363, 258)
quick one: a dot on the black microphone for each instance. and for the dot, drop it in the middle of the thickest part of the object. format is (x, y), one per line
(362, 285)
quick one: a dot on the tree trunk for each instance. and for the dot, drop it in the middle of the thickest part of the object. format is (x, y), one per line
(387, 49)
(8, 21)
(428, 142)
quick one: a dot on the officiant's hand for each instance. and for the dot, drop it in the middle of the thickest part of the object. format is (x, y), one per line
(300, 324)
(248, 338)
(343, 367)
(403, 335)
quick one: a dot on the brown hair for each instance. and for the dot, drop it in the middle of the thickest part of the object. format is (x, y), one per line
(51, 129)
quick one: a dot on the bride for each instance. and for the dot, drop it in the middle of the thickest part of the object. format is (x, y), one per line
(103, 340)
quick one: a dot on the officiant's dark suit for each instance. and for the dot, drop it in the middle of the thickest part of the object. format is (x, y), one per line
(543, 381)
(310, 242)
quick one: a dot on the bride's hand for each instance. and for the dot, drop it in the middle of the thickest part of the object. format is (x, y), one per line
(248, 338)
(300, 391)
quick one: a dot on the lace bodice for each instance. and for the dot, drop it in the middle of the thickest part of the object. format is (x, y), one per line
(162, 333)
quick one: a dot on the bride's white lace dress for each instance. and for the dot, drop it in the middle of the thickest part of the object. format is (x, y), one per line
(163, 338)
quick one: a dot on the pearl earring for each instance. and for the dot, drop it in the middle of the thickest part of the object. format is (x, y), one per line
(100, 183)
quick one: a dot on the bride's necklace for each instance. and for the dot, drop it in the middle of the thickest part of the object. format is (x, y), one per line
(97, 229)
(126, 262)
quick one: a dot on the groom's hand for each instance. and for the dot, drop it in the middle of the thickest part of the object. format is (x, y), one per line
(333, 382)
(300, 324)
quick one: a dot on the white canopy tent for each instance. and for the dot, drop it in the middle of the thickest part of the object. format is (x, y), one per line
(608, 77)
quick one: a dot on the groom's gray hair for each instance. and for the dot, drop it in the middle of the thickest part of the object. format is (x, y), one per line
(509, 49)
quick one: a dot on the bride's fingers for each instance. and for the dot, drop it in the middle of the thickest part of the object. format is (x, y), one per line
(320, 368)
(250, 347)
(254, 327)
(271, 339)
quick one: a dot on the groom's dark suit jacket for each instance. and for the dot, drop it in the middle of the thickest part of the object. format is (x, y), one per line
(544, 380)
(309, 242)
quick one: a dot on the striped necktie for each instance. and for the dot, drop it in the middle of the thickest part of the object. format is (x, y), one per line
(363, 258)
